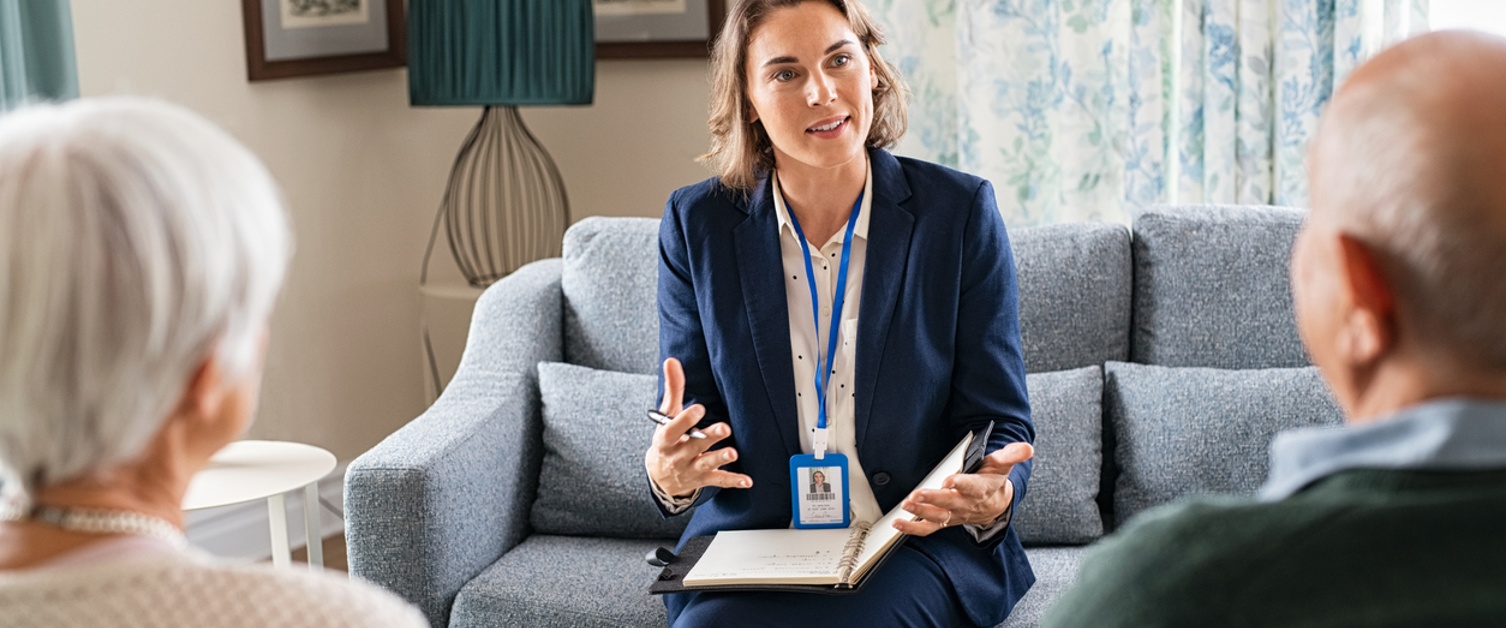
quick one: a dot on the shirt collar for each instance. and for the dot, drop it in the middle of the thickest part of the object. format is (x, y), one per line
(1444, 435)
(859, 230)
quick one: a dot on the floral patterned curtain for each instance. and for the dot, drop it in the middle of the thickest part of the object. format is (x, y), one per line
(1084, 109)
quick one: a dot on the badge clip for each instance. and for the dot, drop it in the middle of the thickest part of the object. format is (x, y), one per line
(818, 442)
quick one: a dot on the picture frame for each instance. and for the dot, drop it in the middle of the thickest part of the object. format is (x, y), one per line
(657, 29)
(290, 38)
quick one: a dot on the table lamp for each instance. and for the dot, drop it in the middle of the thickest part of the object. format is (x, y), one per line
(505, 203)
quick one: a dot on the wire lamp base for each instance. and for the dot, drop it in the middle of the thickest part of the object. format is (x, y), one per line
(505, 205)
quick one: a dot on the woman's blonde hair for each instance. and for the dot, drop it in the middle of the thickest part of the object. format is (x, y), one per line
(741, 153)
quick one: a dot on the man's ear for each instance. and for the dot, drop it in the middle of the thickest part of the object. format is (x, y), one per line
(1368, 330)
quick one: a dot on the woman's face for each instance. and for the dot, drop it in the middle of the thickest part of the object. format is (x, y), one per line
(811, 84)
(818, 478)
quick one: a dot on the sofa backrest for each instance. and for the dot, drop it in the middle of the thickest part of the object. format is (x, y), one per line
(1074, 294)
(1075, 285)
(610, 285)
(1212, 288)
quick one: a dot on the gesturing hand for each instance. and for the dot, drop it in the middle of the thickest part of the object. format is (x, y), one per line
(978, 498)
(678, 463)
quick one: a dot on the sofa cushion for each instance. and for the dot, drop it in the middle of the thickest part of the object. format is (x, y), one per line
(1074, 284)
(565, 581)
(1055, 572)
(1061, 502)
(610, 284)
(1186, 431)
(592, 481)
(1211, 287)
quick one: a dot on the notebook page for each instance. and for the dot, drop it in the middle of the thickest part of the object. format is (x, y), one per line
(771, 556)
(882, 534)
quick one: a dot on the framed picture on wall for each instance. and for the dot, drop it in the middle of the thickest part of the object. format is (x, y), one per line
(287, 38)
(647, 29)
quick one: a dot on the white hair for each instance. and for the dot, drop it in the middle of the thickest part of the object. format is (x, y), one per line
(137, 240)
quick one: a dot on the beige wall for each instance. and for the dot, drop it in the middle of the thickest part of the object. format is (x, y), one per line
(363, 172)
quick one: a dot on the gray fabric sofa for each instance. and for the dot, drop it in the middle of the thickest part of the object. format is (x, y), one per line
(1162, 357)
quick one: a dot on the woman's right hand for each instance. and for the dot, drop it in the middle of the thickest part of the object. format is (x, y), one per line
(678, 463)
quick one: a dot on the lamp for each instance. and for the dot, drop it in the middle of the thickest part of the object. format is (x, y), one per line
(505, 204)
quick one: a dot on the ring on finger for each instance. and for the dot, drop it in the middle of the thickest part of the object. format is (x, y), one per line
(948, 519)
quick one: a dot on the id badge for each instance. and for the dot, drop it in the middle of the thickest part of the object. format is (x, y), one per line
(819, 491)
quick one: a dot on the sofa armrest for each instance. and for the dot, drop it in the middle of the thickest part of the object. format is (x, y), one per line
(444, 497)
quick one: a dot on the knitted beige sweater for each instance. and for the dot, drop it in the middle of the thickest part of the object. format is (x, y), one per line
(173, 588)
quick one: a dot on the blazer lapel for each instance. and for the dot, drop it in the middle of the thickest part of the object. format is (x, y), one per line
(756, 241)
(889, 230)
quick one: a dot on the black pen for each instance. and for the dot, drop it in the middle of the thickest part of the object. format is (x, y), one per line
(664, 419)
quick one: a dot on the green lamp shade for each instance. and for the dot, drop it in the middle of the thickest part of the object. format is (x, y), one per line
(36, 52)
(501, 52)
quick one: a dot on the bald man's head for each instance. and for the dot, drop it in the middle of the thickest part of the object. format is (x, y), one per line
(1410, 160)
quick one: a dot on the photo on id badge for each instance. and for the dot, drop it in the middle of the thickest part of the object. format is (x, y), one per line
(820, 492)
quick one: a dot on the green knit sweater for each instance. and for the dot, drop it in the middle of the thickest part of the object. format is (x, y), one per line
(1358, 548)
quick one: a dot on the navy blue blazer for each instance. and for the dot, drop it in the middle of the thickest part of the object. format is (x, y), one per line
(938, 352)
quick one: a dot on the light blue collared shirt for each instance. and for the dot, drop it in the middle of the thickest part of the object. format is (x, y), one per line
(1444, 435)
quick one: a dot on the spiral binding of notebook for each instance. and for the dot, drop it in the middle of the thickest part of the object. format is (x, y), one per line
(851, 551)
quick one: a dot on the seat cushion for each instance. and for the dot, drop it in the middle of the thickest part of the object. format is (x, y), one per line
(610, 284)
(573, 581)
(1061, 502)
(566, 582)
(591, 481)
(1074, 284)
(1055, 572)
(1212, 289)
(1190, 431)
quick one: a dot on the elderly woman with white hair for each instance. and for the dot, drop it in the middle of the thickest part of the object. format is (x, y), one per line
(141, 251)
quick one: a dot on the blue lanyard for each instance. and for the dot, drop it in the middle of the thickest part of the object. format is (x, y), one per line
(836, 308)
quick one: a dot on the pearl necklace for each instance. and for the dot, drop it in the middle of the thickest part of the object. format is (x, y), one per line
(107, 521)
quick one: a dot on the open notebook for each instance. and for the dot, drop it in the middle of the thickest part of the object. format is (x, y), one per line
(831, 559)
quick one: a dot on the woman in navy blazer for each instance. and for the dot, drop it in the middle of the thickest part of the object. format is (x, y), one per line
(802, 97)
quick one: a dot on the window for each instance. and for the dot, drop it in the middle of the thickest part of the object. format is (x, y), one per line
(1484, 15)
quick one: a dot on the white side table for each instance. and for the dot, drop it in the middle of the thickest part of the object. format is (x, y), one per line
(261, 469)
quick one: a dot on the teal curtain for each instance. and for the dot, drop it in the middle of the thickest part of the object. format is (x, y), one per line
(1085, 109)
(36, 52)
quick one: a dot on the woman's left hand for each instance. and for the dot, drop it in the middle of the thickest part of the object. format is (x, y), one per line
(978, 498)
